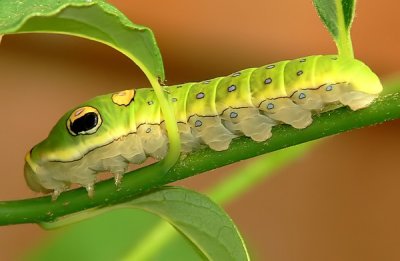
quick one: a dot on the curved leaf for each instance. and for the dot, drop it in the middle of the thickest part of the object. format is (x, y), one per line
(91, 19)
(200, 220)
(111, 236)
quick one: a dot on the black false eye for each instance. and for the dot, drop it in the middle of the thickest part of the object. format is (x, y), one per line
(85, 123)
(84, 120)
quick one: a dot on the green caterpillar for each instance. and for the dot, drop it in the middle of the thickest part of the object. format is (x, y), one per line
(110, 131)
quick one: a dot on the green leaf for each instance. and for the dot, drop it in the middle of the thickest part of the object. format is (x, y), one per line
(92, 19)
(200, 220)
(348, 12)
(337, 16)
(111, 236)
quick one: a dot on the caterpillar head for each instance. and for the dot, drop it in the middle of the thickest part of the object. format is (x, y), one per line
(68, 155)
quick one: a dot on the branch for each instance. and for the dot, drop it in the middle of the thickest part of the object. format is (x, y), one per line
(42, 209)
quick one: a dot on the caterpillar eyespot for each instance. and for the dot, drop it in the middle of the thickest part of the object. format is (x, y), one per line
(84, 120)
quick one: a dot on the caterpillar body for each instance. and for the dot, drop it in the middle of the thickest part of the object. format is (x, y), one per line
(110, 131)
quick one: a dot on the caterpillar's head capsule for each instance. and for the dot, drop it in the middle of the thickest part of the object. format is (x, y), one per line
(83, 142)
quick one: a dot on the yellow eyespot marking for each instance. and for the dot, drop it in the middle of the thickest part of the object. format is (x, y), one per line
(124, 97)
(84, 120)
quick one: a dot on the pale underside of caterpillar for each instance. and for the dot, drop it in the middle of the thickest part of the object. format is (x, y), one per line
(111, 131)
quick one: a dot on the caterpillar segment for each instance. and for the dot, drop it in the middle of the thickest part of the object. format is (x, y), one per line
(111, 131)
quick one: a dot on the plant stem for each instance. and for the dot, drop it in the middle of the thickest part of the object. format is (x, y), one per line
(343, 42)
(36, 210)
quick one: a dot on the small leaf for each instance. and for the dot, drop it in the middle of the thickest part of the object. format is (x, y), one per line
(348, 12)
(91, 19)
(337, 16)
(202, 221)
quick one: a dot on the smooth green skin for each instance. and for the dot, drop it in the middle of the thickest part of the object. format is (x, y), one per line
(119, 121)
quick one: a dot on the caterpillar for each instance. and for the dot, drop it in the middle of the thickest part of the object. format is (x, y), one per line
(110, 131)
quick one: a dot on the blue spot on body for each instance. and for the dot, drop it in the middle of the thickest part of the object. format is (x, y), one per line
(329, 88)
(302, 96)
(270, 106)
(270, 66)
(198, 123)
(200, 95)
(268, 81)
(233, 114)
(231, 88)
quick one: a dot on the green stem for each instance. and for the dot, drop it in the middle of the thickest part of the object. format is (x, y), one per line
(343, 43)
(42, 209)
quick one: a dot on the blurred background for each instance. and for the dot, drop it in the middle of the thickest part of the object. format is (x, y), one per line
(338, 202)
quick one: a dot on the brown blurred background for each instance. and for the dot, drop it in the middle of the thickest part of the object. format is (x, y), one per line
(340, 202)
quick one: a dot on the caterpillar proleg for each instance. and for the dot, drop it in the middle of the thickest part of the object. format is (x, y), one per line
(110, 131)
